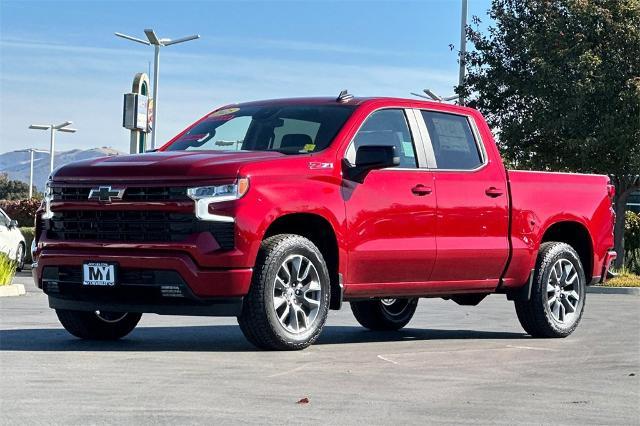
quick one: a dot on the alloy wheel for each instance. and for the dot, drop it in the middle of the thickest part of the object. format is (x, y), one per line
(297, 294)
(563, 291)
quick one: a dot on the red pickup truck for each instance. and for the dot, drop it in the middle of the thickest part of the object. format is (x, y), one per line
(277, 211)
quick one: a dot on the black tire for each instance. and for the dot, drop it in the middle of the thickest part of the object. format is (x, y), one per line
(91, 326)
(383, 315)
(20, 253)
(259, 320)
(536, 315)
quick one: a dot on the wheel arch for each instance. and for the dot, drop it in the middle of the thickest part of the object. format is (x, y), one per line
(320, 232)
(577, 235)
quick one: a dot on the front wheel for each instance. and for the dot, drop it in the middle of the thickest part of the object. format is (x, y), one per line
(288, 302)
(384, 314)
(98, 325)
(557, 294)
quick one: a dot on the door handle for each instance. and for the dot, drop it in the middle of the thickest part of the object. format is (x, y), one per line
(494, 192)
(420, 190)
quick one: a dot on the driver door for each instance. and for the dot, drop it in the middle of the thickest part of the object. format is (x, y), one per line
(391, 215)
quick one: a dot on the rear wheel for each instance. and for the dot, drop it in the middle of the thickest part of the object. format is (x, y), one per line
(98, 325)
(384, 314)
(557, 294)
(288, 302)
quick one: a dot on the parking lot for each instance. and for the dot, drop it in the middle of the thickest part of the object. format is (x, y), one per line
(452, 364)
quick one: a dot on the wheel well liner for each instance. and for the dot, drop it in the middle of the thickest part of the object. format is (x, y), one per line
(319, 231)
(577, 236)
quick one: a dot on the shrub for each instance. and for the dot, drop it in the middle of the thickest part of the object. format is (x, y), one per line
(632, 242)
(28, 233)
(7, 269)
(24, 211)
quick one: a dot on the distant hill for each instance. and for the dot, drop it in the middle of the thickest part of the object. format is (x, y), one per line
(16, 164)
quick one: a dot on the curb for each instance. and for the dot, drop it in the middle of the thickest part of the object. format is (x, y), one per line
(614, 290)
(12, 290)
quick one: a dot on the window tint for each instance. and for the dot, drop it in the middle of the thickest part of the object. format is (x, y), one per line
(4, 219)
(387, 127)
(453, 143)
(295, 132)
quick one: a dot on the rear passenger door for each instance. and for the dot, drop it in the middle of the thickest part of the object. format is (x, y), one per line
(472, 200)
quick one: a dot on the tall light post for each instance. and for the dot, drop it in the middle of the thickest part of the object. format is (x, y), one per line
(53, 128)
(461, 73)
(157, 43)
(31, 151)
(463, 46)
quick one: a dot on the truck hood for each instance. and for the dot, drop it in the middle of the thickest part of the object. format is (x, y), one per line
(154, 166)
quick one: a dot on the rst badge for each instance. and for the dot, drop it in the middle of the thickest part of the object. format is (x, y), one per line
(99, 274)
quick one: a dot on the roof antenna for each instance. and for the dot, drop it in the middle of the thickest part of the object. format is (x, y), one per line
(433, 97)
(344, 96)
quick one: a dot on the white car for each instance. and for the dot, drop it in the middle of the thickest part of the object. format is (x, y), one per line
(11, 240)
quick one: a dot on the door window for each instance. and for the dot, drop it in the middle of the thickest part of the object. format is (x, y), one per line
(387, 127)
(454, 145)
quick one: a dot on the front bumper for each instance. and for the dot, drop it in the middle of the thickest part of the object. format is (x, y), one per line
(225, 307)
(157, 282)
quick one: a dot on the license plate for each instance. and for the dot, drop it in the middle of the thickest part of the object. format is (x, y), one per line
(99, 274)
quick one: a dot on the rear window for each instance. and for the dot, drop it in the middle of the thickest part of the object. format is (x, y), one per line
(292, 129)
(453, 142)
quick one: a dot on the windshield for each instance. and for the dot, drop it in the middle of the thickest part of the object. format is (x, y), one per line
(298, 129)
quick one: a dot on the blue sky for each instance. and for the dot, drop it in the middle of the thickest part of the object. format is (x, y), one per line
(60, 60)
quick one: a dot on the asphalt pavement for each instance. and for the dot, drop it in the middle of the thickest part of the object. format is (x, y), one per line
(452, 364)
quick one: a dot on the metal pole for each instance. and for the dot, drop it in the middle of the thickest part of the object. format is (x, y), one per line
(31, 175)
(156, 71)
(51, 149)
(463, 46)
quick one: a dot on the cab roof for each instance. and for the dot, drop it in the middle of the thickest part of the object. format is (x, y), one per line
(355, 101)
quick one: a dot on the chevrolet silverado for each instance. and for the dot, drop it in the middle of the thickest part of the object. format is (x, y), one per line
(277, 211)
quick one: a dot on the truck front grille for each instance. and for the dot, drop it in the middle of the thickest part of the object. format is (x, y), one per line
(133, 226)
(133, 193)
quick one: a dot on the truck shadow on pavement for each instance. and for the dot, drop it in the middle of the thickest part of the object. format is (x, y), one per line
(220, 338)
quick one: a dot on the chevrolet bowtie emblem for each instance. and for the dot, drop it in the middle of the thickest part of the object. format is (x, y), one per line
(106, 194)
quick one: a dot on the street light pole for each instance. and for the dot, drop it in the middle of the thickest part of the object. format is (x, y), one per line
(156, 77)
(31, 174)
(53, 128)
(31, 152)
(152, 39)
(52, 144)
(463, 46)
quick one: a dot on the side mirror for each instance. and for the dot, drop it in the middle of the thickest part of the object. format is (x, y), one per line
(371, 157)
(13, 223)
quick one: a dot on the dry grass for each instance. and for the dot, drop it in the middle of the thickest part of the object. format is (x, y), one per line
(624, 279)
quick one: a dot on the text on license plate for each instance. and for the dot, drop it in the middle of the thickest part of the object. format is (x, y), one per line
(97, 273)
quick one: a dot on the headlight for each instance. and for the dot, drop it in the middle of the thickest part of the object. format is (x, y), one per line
(48, 197)
(205, 195)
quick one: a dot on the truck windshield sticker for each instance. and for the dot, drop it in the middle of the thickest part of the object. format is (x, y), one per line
(222, 112)
(221, 118)
(194, 137)
(309, 147)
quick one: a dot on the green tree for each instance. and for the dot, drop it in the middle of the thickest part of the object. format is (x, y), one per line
(13, 189)
(559, 81)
